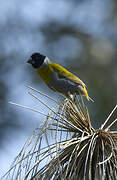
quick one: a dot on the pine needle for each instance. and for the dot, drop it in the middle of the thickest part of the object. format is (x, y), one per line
(65, 146)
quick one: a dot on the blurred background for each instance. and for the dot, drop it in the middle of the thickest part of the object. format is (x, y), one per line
(81, 35)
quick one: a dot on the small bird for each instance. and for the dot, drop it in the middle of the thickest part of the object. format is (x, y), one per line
(56, 77)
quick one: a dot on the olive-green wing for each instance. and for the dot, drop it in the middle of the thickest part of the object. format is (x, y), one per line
(64, 73)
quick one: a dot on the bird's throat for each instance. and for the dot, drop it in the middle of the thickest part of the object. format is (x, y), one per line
(45, 73)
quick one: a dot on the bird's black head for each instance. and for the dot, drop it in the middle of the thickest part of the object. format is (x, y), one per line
(36, 60)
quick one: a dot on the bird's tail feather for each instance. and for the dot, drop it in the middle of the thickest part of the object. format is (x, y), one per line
(86, 93)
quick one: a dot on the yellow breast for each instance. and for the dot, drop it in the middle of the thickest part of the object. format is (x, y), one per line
(45, 73)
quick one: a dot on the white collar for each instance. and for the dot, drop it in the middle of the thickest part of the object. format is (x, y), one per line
(46, 62)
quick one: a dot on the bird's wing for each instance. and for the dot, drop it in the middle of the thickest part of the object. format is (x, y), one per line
(64, 73)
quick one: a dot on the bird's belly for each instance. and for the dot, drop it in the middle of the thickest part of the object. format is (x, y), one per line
(63, 85)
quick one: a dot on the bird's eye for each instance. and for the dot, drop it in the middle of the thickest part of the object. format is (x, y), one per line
(33, 62)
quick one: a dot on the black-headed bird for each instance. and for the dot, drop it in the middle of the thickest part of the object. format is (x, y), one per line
(56, 77)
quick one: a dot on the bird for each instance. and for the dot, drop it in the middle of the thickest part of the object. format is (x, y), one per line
(57, 77)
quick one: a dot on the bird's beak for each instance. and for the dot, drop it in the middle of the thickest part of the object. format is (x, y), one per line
(29, 61)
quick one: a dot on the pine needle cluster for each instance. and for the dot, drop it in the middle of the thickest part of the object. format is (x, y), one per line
(66, 146)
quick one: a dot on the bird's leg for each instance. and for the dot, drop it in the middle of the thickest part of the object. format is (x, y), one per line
(69, 96)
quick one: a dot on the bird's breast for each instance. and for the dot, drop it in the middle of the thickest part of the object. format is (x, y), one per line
(45, 73)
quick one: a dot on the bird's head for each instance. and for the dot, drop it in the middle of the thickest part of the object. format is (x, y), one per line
(36, 60)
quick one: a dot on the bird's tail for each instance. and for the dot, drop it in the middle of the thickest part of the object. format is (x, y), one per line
(86, 93)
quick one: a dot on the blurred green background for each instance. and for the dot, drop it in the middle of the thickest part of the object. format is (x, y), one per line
(81, 35)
